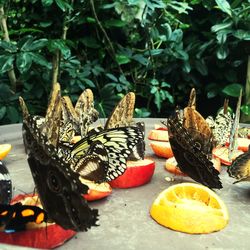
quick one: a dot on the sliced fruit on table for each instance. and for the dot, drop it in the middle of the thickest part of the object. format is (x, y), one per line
(4, 150)
(172, 167)
(162, 149)
(42, 236)
(137, 173)
(160, 127)
(158, 135)
(243, 144)
(222, 154)
(190, 208)
(96, 191)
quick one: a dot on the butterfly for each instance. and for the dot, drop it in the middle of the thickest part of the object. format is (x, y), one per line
(122, 115)
(197, 126)
(233, 138)
(5, 185)
(240, 168)
(14, 217)
(118, 142)
(221, 125)
(59, 188)
(190, 157)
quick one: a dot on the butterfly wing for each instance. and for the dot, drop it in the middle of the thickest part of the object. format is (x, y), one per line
(240, 168)
(119, 143)
(122, 114)
(5, 185)
(190, 158)
(85, 110)
(94, 166)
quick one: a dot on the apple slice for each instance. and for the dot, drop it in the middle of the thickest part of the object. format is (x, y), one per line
(137, 173)
(97, 191)
(158, 135)
(243, 144)
(171, 166)
(222, 154)
(162, 149)
(160, 127)
(42, 236)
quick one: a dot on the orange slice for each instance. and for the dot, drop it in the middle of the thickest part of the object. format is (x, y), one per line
(243, 144)
(4, 150)
(190, 208)
(162, 148)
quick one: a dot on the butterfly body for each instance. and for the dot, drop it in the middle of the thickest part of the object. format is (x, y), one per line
(189, 156)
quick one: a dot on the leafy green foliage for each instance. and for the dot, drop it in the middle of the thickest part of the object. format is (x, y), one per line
(159, 49)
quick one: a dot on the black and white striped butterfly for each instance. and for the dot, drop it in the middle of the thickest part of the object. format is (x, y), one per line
(5, 185)
(119, 143)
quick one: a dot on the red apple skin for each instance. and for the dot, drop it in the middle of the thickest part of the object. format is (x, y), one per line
(139, 174)
(43, 238)
(47, 237)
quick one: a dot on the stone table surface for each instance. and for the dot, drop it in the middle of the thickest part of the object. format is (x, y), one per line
(124, 218)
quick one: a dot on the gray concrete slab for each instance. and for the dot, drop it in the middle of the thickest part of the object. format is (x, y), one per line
(124, 218)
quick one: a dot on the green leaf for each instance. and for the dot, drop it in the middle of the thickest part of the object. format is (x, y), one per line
(2, 112)
(224, 6)
(245, 109)
(242, 34)
(141, 59)
(25, 43)
(153, 52)
(222, 52)
(232, 89)
(90, 42)
(112, 77)
(122, 59)
(59, 44)
(12, 114)
(88, 82)
(141, 113)
(39, 59)
(63, 5)
(115, 23)
(23, 61)
(222, 26)
(6, 62)
(46, 3)
(38, 44)
(8, 46)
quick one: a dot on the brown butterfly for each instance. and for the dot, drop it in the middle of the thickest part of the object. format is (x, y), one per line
(240, 168)
(122, 115)
(197, 126)
(191, 158)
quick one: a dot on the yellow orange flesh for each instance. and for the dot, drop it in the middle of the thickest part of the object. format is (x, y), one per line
(4, 150)
(190, 208)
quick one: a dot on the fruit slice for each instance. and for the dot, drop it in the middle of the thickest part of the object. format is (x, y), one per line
(171, 166)
(42, 236)
(158, 135)
(190, 208)
(137, 173)
(4, 150)
(97, 191)
(222, 154)
(243, 144)
(162, 149)
(160, 127)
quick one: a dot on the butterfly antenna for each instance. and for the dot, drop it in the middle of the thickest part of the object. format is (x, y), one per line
(234, 129)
